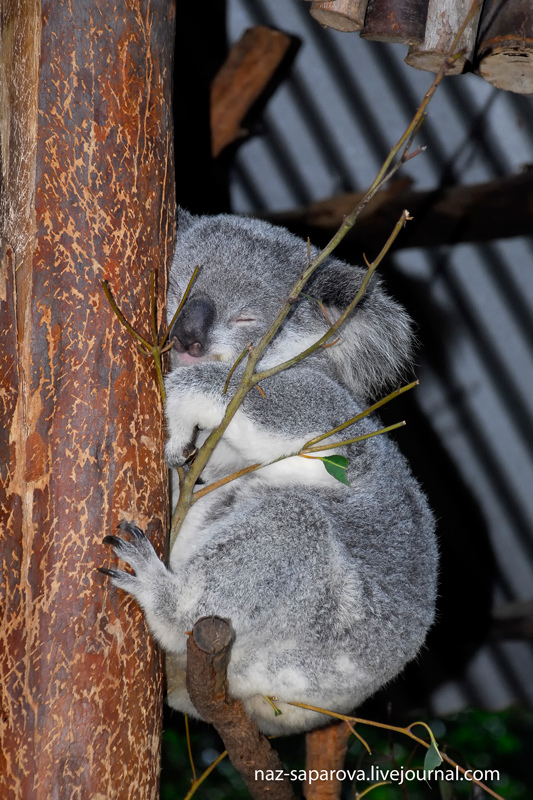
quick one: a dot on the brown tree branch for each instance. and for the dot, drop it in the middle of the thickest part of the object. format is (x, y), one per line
(208, 654)
(242, 79)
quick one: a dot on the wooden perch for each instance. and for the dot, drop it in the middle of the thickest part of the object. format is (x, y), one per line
(208, 653)
(475, 213)
(402, 21)
(343, 15)
(444, 19)
(505, 45)
(242, 79)
(325, 751)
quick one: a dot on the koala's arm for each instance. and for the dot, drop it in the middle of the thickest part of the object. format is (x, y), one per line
(299, 403)
(195, 400)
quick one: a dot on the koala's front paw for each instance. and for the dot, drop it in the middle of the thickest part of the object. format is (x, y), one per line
(141, 556)
(176, 453)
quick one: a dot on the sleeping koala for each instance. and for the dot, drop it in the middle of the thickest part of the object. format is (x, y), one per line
(329, 588)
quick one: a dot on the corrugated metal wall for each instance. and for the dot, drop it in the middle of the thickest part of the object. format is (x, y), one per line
(327, 130)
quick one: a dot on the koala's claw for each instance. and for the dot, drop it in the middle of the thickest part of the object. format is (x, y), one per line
(129, 527)
(111, 573)
(138, 553)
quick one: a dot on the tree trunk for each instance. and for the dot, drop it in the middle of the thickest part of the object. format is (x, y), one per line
(505, 45)
(86, 193)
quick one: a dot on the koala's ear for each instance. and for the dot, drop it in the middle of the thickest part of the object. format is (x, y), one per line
(336, 283)
(185, 219)
(376, 342)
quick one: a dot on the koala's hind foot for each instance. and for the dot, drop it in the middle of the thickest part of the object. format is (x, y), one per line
(149, 570)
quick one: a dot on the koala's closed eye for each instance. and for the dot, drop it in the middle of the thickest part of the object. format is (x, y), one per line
(244, 319)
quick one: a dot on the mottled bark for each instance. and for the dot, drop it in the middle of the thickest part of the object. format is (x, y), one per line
(444, 19)
(87, 193)
(325, 752)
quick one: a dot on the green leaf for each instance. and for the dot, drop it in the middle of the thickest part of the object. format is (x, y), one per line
(433, 757)
(336, 466)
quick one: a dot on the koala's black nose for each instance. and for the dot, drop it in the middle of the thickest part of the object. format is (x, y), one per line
(192, 326)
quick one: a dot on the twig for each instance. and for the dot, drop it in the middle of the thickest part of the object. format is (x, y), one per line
(189, 748)
(267, 373)
(362, 414)
(159, 347)
(205, 774)
(307, 448)
(361, 438)
(405, 731)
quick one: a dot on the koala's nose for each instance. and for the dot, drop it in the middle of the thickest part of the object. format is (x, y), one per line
(192, 326)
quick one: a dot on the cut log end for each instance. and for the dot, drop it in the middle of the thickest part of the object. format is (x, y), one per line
(509, 68)
(331, 19)
(342, 15)
(431, 61)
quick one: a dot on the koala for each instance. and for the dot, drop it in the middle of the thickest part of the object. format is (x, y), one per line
(329, 588)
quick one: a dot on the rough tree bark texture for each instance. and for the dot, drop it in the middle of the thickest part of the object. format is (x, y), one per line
(325, 751)
(86, 193)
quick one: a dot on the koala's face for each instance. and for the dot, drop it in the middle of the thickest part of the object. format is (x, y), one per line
(247, 269)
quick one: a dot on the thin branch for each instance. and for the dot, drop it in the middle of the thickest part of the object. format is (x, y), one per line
(156, 349)
(362, 414)
(189, 748)
(267, 373)
(234, 367)
(120, 315)
(197, 783)
(405, 731)
(180, 306)
(364, 436)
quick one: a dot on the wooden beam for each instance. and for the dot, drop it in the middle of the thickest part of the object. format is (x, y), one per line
(476, 213)
(325, 752)
(242, 79)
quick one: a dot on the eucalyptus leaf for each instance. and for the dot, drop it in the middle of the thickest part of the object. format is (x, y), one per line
(336, 466)
(433, 757)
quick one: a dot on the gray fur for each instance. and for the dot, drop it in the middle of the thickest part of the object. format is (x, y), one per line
(330, 589)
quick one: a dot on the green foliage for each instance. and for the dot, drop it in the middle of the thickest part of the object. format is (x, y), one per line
(336, 466)
(475, 739)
